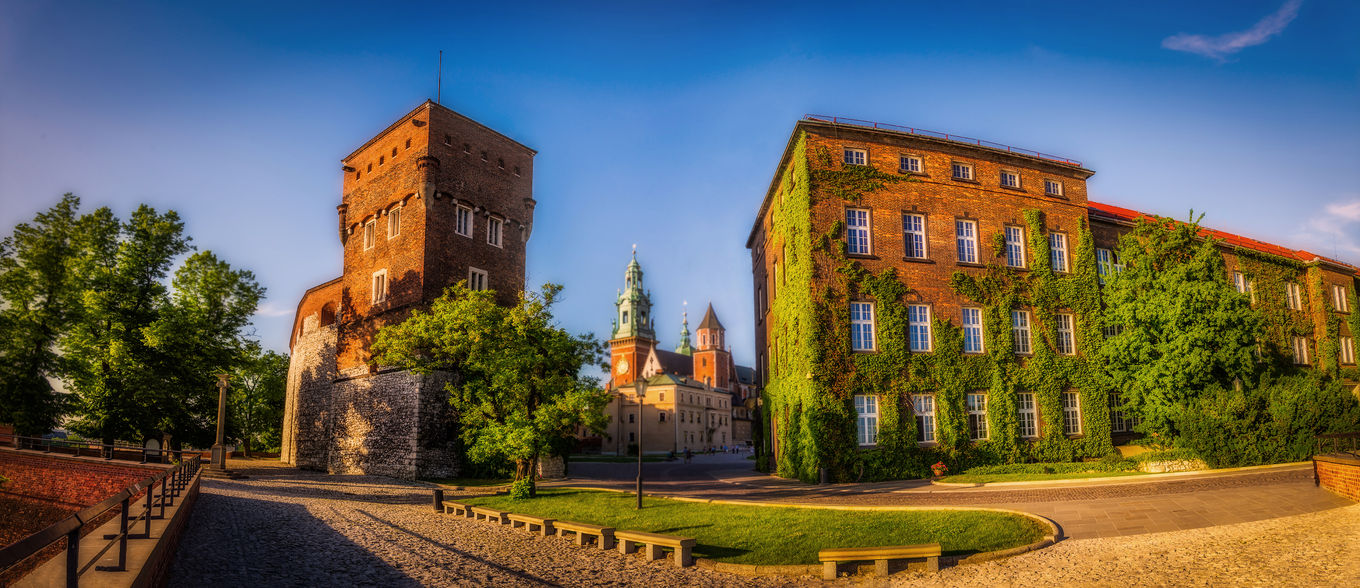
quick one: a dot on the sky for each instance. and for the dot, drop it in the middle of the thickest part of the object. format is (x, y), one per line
(660, 123)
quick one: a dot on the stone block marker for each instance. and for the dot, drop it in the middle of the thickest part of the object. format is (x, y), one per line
(880, 556)
(604, 535)
(457, 509)
(654, 542)
(490, 514)
(545, 526)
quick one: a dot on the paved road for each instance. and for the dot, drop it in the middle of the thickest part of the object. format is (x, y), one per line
(1128, 507)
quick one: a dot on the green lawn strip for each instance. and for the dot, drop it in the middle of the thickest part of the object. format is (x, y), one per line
(470, 482)
(772, 535)
(987, 478)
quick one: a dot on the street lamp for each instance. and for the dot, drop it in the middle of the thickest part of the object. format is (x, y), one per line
(641, 385)
(219, 449)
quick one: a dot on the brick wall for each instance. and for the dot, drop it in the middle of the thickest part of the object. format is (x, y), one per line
(66, 481)
(1338, 474)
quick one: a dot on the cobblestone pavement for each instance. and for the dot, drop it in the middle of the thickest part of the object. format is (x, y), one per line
(282, 527)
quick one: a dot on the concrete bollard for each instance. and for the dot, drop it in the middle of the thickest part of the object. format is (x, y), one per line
(439, 500)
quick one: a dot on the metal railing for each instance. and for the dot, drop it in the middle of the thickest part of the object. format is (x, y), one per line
(172, 482)
(1339, 443)
(81, 447)
(836, 120)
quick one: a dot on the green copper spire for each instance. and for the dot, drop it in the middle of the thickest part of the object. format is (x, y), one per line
(684, 348)
(633, 316)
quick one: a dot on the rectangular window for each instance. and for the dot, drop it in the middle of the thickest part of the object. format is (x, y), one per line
(1020, 330)
(856, 231)
(1071, 405)
(493, 231)
(1111, 331)
(972, 330)
(1293, 297)
(924, 407)
(977, 416)
(1028, 417)
(1015, 246)
(1118, 423)
(462, 223)
(1243, 285)
(918, 327)
(866, 411)
(910, 164)
(379, 290)
(1053, 188)
(1104, 263)
(1300, 345)
(1010, 179)
(962, 171)
(1339, 299)
(370, 228)
(1066, 341)
(476, 279)
(856, 156)
(914, 235)
(1347, 350)
(1057, 251)
(394, 223)
(966, 232)
(862, 326)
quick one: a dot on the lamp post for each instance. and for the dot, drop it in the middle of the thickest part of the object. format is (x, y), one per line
(219, 449)
(641, 385)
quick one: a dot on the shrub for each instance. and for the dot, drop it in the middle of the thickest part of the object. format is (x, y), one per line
(522, 489)
(1105, 465)
(1166, 455)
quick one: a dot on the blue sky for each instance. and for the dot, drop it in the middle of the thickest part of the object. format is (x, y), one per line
(660, 124)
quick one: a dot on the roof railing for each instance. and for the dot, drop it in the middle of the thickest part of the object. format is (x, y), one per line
(836, 120)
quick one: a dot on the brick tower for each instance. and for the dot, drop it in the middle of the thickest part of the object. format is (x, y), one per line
(712, 361)
(633, 337)
(434, 199)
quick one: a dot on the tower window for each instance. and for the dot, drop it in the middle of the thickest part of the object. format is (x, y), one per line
(625, 317)
(370, 228)
(408, 143)
(493, 231)
(448, 139)
(462, 223)
(500, 163)
(467, 148)
(476, 279)
(381, 159)
(379, 292)
(517, 170)
(394, 152)
(394, 223)
(483, 156)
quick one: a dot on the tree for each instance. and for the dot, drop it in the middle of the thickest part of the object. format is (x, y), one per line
(1184, 329)
(255, 401)
(37, 304)
(517, 386)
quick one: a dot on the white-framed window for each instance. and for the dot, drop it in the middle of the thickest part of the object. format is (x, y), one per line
(370, 231)
(494, 227)
(1119, 423)
(856, 156)
(1066, 340)
(1010, 179)
(918, 327)
(977, 416)
(1293, 297)
(1347, 350)
(1020, 330)
(866, 413)
(910, 164)
(962, 171)
(1243, 284)
(914, 235)
(1339, 299)
(924, 407)
(1107, 262)
(965, 232)
(1300, 345)
(477, 279)
(862, 326)
(1053, 187)
(1111, 331)
(1057, 251)
(1015, 246)
(857, 231)
(1027, 415)
(972, 330)
(378, 291)
(394, 223)
(1071, 405)
(462, 221)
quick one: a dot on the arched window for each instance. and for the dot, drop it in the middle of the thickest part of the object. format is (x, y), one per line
(328, 314)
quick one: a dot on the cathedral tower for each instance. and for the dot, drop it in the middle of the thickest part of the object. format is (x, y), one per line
(633, 337)
(712, 362)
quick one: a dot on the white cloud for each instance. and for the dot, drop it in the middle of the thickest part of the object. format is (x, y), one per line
(269, 309)
(1222, 46)
(1336, 230)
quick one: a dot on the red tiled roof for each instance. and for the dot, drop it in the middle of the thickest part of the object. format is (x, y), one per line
(1112, 212)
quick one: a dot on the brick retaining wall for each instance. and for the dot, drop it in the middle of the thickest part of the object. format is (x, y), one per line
(65, 480)
(1338, 473)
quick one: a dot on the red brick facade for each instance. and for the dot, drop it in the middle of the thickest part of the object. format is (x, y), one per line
(66, 481)
(1338, 473)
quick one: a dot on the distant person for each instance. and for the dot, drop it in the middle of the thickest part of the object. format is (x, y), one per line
(688, 455)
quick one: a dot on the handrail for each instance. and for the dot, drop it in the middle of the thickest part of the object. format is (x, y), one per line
(48, 444)
(172, 483)
(837, 120)
(1350, 439)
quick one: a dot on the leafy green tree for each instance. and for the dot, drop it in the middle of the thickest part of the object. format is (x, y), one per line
(1184, 328)
(37, 304)
(255, 401)
(517, 386)
(122, 268)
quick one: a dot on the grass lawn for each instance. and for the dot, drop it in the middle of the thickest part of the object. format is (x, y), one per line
(768, 535)
(614, 458)
(984, 478)
(471, 482)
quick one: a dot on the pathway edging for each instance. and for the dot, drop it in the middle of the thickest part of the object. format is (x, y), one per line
(1116, 480)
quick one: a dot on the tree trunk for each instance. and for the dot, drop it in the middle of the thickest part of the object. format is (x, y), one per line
(533, 473)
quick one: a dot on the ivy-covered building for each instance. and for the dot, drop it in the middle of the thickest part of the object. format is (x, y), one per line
(919, 295)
